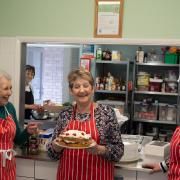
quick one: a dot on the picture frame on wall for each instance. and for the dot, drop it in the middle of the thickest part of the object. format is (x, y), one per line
(108, 18)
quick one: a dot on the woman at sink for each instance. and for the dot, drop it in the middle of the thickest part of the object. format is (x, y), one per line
(172, 165)
(97, 120)
(29, 98)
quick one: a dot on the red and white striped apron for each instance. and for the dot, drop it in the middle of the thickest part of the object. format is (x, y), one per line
(7, 159)
(78, 164)
(174, 161)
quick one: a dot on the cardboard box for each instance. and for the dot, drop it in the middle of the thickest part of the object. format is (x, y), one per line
(156, 151)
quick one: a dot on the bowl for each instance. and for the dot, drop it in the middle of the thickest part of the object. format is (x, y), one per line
(53, 115)
(40, 115)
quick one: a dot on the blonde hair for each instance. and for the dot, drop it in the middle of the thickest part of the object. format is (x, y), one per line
(80, 73)
(5, 75)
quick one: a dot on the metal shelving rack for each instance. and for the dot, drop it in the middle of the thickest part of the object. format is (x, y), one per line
(101, 65)
(128, 50)
(160, 95)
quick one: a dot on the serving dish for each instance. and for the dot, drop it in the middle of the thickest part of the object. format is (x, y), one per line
(63, 145)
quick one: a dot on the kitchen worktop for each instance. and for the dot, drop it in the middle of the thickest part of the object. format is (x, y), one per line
(135, 165)
(23, 153)
(43, 156)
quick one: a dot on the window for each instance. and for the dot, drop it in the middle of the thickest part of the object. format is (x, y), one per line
(52, 64)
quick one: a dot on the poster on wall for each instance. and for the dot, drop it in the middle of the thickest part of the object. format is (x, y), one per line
(108, 18)
(85, 63)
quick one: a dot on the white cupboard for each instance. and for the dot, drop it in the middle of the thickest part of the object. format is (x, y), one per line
(27, 169)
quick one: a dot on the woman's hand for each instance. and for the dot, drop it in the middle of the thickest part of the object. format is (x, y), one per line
(33, 106)
(33, 128)
(154, 166)
(97, 150)
(56, 147)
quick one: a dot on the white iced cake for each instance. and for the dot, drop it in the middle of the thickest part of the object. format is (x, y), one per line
(130, 151)
(75, 138)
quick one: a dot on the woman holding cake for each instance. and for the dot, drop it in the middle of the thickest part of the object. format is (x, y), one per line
(86, 118)
(172, 165)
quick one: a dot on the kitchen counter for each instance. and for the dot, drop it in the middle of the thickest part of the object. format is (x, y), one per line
(40, 166)
(43, 156)
(23, 153)
(134, 166)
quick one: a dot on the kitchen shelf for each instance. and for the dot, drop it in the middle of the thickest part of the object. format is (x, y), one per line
(155, 121)
(156, 93)
(111, 62)
(110, 92)
(128, 71)
(169, 98)
(157, 64)
(119, 69)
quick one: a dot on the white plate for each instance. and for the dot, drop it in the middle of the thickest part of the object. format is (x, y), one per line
(130, 160)
(72, 147)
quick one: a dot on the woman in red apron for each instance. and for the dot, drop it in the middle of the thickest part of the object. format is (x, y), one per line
(95, 163)
(9, 130)
(174, 160)
(172, 165)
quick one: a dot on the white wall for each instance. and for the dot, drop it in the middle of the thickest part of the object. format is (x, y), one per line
(10, 62)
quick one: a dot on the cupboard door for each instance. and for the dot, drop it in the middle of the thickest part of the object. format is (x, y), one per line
(147, 176)
(125, 174)
(24, 178)
(25, 168)
(45, 170)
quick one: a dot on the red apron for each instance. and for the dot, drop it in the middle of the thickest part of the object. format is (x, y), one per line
(7, 159)
(79, 164)
(174, 161)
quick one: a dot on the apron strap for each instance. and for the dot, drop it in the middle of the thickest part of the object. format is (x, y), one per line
(6, 156)
(6, 111)
(91, 111)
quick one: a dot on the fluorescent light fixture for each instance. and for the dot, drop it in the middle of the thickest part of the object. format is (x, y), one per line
(108, 2)
(44, 45)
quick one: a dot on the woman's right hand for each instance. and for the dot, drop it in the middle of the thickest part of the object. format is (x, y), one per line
(32, 106)
(37, 107)
(154, 166)
(56, 147)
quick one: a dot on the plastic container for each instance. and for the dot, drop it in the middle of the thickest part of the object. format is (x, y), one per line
(171, 87)
(44, 138)
(162, 112)
(120, 105)
(167, 112)
(155, 84)
(171, 113)
(143, 79)
(171, 58)
(145, 111)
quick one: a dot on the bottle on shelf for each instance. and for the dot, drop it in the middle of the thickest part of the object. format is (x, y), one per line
(99, 54)
(140, 55)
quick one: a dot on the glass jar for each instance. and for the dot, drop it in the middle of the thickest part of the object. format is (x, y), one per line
(33, 145)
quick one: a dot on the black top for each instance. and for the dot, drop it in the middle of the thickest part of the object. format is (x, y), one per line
(29, 99)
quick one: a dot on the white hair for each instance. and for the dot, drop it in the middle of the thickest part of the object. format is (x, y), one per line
(4, 74)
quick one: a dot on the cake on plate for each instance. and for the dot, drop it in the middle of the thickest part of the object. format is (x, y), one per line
(74, 138)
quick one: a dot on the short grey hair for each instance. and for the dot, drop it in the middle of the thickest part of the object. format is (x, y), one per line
(5, 75)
